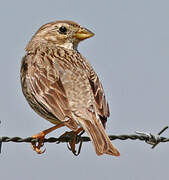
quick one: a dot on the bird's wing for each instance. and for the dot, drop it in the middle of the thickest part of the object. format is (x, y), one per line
(98, 92)
(45, 86)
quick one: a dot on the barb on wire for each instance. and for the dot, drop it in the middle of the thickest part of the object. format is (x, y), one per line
(0, 142)
(142, 136)
(153, 139)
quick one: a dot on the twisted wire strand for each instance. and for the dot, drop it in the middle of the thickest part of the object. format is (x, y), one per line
(142, 136)
(83, 139)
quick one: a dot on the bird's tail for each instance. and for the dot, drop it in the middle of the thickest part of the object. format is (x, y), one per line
(99, 137)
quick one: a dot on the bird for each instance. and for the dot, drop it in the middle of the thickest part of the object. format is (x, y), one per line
(62, 87)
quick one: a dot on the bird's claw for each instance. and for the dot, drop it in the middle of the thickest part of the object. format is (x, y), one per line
(37, 149)
(36, 146)
(72, 142)
(72, 148)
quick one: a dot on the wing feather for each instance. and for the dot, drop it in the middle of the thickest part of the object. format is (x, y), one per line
(42, 84)
(98, 92)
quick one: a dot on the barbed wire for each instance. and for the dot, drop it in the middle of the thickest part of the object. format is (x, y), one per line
(149, 138)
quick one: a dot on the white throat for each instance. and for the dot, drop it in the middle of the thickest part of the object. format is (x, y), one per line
(69, 45)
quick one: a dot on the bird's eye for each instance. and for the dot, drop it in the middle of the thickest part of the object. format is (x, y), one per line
(63, 29)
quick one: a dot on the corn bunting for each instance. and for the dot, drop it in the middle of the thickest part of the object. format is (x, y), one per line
(62, 87)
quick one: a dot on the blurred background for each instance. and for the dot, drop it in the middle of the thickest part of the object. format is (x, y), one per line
(130, 53)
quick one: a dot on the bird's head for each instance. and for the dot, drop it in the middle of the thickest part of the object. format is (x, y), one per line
(66, 34)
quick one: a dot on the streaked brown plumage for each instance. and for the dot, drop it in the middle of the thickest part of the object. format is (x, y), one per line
(62, 87)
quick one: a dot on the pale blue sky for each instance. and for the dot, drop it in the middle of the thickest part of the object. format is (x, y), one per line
(130, 53)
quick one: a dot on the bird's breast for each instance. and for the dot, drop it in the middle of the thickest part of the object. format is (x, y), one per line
(74, 77)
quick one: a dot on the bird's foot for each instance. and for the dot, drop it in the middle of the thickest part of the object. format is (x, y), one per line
(73, 135)
(36, 146)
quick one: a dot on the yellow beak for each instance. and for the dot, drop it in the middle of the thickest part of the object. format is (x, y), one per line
(83, 34)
